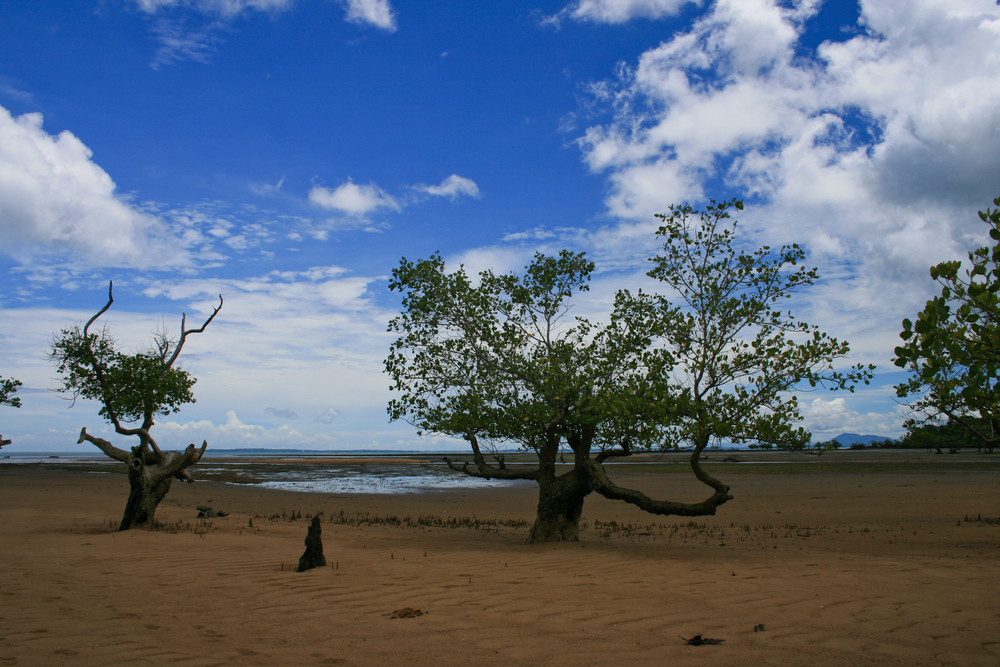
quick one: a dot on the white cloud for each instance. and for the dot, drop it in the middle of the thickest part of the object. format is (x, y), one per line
(875, 154)
(180, 42)
(223, 7)
(621, 11)
(377, 13)
(453, 186)
(907, 111)
(356, 203)
(267, 189)
(52, 193)
(353, 199)
(195, 35)
(827, 418)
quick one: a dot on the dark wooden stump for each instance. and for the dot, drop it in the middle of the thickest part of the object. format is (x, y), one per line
(313, 556)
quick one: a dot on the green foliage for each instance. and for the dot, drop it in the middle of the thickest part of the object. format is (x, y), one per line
(737, 354)
(952, 435)
(130, 387)
(952, 349)
(502, 360)
(8, 387)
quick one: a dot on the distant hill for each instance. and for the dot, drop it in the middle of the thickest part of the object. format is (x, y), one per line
(848, 439)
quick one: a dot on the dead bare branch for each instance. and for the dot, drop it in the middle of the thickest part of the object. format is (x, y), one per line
(186, 332)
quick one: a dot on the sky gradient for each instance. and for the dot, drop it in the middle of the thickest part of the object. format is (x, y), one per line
(287, 153)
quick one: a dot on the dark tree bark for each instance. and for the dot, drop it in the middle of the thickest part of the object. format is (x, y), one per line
(150, 469)
(560, 506)
(561, 497)
(150, 473)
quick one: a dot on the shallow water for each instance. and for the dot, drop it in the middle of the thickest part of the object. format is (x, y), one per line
(334, 477)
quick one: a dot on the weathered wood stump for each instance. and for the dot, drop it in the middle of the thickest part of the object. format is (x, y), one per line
(313, 556)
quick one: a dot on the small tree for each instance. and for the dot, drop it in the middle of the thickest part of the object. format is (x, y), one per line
(8, 387)
(952, 349)
(499, 362)
(132, 389)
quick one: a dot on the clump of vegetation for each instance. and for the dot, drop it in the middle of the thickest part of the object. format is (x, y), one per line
(498, 360)
(952, 348)
(8, 387)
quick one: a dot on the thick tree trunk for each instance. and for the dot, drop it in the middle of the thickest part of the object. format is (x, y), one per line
(146, 490)
(560, 505)
(149, 474)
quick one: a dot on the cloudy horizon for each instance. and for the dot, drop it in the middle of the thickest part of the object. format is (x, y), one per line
(287, 154)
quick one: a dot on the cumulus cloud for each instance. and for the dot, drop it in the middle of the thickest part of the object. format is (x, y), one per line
(827, 418)
(355, 204)
(452, 187)
(874, 150)
(906, 111)
(52, 193)
(352, 199)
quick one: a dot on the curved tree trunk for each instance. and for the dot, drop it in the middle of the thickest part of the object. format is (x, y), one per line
(150, 474)
(146, 490)
(560, 505)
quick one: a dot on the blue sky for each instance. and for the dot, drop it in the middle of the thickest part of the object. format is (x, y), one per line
(287, 153)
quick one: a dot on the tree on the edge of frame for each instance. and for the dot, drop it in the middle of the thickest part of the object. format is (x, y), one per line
(8, 387)
(952, 348)
(500, 361)
(132, 390)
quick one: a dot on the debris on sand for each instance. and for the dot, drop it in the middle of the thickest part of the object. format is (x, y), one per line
(698, 640)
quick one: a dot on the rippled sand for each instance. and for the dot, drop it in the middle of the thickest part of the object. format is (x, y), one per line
(831, 567)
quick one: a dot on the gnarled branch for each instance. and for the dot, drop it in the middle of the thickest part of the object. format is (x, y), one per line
(484, 470)
(612, 491)
(174, 463)
(110, 450)
(186, 332)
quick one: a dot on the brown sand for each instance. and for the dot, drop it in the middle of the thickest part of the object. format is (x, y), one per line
(839, 568)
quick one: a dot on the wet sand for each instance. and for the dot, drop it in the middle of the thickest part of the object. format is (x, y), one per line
(831, 565)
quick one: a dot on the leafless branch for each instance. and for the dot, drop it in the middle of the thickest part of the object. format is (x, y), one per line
(186, 332)
(110, 450)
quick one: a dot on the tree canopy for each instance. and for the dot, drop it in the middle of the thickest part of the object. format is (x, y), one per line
(132, 389)
(8, 387)
(738, 354)
(952, 348)
(500, 361)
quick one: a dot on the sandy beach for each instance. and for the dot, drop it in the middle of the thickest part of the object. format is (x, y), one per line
(833, 564)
